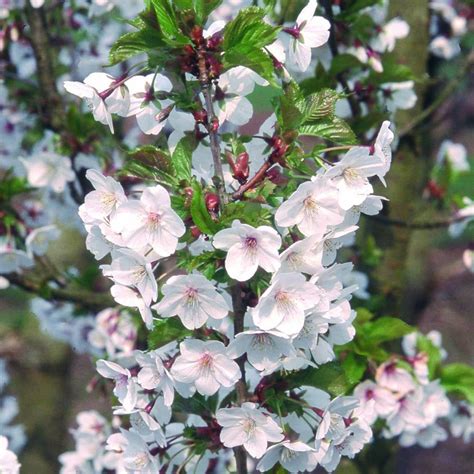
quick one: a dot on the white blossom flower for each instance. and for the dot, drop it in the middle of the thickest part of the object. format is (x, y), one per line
(248, 248)
(468, 259)
(103, 96)
(8, 460)
(206, 365)
(389, 33)
(125, 385)
(283, 304)
(149, 221)
(193, 298)
(37, 241)
(131, 269)
(303, 256)
(395, 378)
(107, 195)
(350, 176)
(461, 421)
(148, 103)
(308, 32)
(154, 376)
(312, 208)
(427, 437)
(13, 260)
(248, 426)
(455, 154)
(48, 169)
(136, 454)
(398, 95)
(132, 298)
(381, 400)
(233, 87)
(443, 47)
(293, 456)
(264, 349)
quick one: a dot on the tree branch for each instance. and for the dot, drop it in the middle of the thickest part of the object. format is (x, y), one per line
(52, 106)
(254, 181)
(84, 298)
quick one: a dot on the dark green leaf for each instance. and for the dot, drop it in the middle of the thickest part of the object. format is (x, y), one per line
(182, 157)
(199, 212)
(320, 105)
(166, 330)
(168, 23)
(354, 367)
(136, 42)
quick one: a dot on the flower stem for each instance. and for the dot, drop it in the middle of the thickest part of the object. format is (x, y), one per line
(211, 121)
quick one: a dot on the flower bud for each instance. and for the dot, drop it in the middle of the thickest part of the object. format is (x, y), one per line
(241, 170)
(200, 116)
(212, 202)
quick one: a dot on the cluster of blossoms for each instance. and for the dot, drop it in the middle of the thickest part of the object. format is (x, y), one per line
(8, 411)
(412, 405)
(447, 28)
(240, 304)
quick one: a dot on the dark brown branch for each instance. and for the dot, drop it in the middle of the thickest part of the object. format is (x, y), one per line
(52, 106)
(86, 299)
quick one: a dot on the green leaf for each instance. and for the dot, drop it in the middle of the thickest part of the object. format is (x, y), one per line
(203, 8)
(330, 377)
(248, 212)
(291, 107)
(354, 367)
(199, 212)
(244, 38)
(459, 378)
(182, 157)
(133, 43)
(335, 130)
(168, 22)
(320, 105)
(166, 330)
(150, 162)
(385, 329)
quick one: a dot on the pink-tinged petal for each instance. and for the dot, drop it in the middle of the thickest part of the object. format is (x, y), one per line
(241, 264)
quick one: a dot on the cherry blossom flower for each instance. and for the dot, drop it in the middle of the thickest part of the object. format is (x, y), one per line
(193, 298)
(350, 176)
(103, 95)
(461, 421)
(206, 365)
(8, 460)
(149, 221)
(264, 349)
(132, 298)
(136, 454)
(37, 241)
(455, 154)
(248, 426)
(399, 95)
(392, 31)
(148, 103)
(283, 304)
(108, 194)
(154, 376)
(131, 269)
(312, 208)
(48, 169)
(309, 32)
(303, 256)
(293, 456)
(233, 87)
(125, 386)
(382, 401)
(248, 248)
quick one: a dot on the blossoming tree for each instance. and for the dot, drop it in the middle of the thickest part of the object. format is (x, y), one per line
(227, 160)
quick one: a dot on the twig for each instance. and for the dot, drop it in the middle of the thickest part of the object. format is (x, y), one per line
(443, 96)
(416, 225)
(213, 135)
(84, 298)
(254, 181)
(241, 386)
